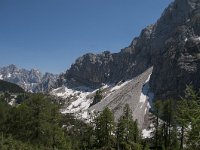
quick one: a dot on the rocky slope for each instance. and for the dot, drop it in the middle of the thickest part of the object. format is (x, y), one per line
(30, 80)
(135, 92)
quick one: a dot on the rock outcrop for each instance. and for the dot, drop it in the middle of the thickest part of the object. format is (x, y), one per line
(93, 70)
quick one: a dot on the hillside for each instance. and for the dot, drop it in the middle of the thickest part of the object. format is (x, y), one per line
(10, 87)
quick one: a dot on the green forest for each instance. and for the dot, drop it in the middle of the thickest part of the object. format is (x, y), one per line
(10, 87)
(37, 124)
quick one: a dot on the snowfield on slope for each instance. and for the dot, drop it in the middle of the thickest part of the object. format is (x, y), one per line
(77, 100)
(1, 77)
(134, 92)
(83, 97)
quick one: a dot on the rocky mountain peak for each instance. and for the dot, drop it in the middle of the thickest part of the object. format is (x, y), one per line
(11, 68)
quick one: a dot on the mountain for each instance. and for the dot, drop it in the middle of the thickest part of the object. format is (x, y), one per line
(30, 80)
(123, 77)
(159, 64)
(171, 46)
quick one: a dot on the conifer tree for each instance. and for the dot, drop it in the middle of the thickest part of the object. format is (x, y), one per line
(127, 130)
(37, 120)
(188, 117)
(105, 128)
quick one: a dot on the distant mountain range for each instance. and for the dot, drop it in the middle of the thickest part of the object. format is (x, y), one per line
(30, 80)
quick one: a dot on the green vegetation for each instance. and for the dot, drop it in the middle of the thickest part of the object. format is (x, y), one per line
(37, 124)
(104, 130)
(98, 97)
(10, 87)
(128, 136)
(177, 123)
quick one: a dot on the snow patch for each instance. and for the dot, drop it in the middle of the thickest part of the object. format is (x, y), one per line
(9, 75)
(1, 77)
(12, 102)
(65, 92)
(188, 20)
(119, 86)
(146, 95)
(82, 98)
(186, 39)
(146, 133)
(79, 108)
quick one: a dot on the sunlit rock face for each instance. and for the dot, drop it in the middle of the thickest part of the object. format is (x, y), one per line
(95, 69)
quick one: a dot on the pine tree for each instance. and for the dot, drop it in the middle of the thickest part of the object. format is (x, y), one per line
(182, 120)
(104, 129)
(127, 130)
(188, 112)
(37, 120)
(157, 131)
(98, 97)
(165, 128)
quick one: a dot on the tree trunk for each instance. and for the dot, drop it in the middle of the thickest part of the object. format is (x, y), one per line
(182, 137)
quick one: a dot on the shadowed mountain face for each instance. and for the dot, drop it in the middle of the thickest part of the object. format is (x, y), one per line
(176, 49)
(30, 80)
(171, 45)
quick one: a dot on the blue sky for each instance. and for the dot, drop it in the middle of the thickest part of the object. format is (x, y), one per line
(51, 34)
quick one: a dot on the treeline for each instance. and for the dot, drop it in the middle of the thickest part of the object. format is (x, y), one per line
(37, 124)
(34, 124)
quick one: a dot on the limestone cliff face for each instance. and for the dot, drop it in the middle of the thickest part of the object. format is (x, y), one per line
(176, 49)
(171, 46)
(93, 70)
